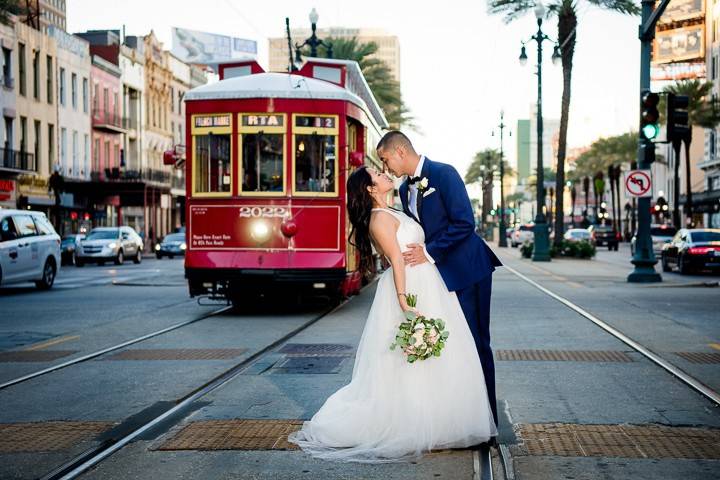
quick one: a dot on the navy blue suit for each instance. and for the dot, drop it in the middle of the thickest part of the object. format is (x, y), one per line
(463, 258)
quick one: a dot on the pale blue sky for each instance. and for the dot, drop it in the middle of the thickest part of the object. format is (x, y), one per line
(458, 64)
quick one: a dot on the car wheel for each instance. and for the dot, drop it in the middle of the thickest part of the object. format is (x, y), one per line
(120, 258)
(683, 266)
(158, 255)
(48, 278)
(138, 257)
(171, 256)
(79, 263)
(616, 247)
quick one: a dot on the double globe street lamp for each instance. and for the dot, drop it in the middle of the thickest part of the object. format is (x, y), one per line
(541, 248)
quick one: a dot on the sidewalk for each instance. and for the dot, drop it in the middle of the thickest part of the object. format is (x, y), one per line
(575, 403)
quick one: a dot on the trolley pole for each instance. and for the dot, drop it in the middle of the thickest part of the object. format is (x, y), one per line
(644, 258)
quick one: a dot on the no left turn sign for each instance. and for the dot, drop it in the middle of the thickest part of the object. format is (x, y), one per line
(638, 183)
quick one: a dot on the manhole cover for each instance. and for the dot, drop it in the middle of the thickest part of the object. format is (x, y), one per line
(47, 436)
(34, 355)
(630, 441)
(234, 434)
(313, 364)
(178, 354)
(563, 355)
(316, 349)
(699, 357)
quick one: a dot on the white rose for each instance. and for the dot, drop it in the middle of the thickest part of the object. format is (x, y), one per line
(424, 183)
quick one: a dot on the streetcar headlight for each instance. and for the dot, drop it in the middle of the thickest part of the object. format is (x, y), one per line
(260, 231)
(183, 246)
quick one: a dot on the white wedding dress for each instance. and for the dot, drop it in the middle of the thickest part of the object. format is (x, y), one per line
(391, 409)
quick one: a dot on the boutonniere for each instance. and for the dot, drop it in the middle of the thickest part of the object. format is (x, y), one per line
(423, 184)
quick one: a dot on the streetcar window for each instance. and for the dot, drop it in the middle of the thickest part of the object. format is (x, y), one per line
(262, 162)
(212, 157)
(315, 163)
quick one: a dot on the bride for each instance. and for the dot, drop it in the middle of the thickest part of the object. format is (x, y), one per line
(391, 409)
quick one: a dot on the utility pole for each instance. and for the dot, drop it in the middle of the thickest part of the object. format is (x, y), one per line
(644, 258)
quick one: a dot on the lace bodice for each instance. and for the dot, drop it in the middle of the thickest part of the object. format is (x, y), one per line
(409, 230)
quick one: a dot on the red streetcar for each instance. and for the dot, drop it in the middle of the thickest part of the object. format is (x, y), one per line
(268, 156)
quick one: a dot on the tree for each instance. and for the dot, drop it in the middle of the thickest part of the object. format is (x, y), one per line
(10, 7)
(377, 74)
(703, 111)
(485, 168)
(566, 12)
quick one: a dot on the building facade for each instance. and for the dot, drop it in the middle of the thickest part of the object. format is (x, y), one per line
(707, 202)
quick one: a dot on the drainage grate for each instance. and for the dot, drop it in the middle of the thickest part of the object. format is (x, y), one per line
(564, 355)
(699, 357)
(233, 434)
(630, 441)
(47, 436)
(310, 365)
(178, 354)
(316, 349)
(34, 355)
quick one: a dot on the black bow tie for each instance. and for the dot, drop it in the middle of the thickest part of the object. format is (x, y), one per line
(414, 180)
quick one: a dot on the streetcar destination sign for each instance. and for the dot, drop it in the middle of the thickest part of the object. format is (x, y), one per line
(262, 120)
(213, 121)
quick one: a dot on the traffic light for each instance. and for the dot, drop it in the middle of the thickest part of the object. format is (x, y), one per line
(677, 117)
(650, 117)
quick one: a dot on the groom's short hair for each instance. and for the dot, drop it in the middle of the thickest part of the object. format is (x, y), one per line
(395, 138)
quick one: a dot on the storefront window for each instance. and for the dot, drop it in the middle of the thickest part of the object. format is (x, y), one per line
(212, 160)
(315, 163)
(262, 162)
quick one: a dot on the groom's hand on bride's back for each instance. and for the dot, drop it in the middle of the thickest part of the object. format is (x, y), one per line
(415, 255)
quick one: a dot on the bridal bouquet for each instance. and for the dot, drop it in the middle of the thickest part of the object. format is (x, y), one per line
(420, 337)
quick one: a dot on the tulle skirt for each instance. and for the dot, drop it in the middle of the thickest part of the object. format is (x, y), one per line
(393, 410)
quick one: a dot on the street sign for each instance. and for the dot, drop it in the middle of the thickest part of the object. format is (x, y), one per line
(638, 183)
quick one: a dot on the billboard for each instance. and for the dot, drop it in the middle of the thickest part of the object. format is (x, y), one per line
(192, 46)
(680, 44)
(678, 10)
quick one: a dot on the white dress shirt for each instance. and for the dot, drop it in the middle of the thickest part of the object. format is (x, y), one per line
(412, 201)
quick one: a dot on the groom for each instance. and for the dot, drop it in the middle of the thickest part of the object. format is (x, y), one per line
(434, 194)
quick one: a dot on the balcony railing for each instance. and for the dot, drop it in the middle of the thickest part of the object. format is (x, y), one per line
(144, 175)
(110, 121)
(17, 160)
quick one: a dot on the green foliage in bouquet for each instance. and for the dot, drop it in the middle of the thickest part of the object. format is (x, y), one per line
(420, 337)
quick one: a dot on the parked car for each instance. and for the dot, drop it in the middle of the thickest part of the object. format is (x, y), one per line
(173, 244)
(29, 248)
(577, 235)
(67, 247)
(692, 250)
(104, 244)
(604, 235)
(660, 234)
(521, 234)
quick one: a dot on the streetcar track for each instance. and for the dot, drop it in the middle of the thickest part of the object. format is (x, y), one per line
(677, 372)
(90, 458)
(98, 353)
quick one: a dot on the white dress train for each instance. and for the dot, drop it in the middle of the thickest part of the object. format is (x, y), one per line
(393, 410)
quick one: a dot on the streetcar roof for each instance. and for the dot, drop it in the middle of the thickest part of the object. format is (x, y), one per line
(284, 85)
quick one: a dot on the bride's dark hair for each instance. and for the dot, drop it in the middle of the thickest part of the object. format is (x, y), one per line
(359, 209)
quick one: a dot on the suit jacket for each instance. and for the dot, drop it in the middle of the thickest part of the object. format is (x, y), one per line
(461, 256)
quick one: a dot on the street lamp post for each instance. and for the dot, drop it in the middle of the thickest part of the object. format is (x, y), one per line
(313, 41)
(502, 227)
(541, 250)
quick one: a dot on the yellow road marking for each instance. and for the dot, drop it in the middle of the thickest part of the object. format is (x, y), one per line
(556, 277)
(48, 343)
(716, 346)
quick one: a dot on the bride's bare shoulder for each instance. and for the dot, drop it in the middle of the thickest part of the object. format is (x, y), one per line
(382, 220)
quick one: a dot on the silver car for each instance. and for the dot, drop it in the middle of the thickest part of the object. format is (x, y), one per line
(105, 244)
(29, 248)
(660, 234)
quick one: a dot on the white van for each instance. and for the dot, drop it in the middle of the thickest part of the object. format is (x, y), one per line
(29, 248)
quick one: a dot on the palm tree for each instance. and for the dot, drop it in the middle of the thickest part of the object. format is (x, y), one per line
(703, 111)
(566, 11)
(376, 72)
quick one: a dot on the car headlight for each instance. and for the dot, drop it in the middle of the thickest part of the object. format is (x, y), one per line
(157, 247)
(260, 231)
(183, 246)
(112, 245)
